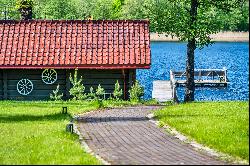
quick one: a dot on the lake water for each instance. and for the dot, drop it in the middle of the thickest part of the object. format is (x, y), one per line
(171, 55)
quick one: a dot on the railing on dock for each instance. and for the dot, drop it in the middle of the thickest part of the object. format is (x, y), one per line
(165, 90)
(202, 78)
(173, 86)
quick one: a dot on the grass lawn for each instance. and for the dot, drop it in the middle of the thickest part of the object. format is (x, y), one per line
(34, 133)
(219, 125)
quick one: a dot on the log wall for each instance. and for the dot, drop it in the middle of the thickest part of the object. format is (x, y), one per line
(107, 78)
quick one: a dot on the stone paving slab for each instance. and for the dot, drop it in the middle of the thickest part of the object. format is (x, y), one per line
(125, 136)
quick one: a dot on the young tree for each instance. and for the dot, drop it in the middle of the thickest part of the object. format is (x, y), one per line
(91, 95)
(55, 95)
(117, 91)
(192, 21)
(136, 92)
(77, 90)
(100, 92)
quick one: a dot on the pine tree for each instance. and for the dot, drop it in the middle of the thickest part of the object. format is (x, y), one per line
(117, 91)
(100, 92)
(77, 90)
(55, 96)
(136, 92)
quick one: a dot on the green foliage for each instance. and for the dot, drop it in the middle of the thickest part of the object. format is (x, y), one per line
(102, 10)
(136, 92)
(117, 91)
(100, 92)
(237, 19)
(164, 15)
(24, 4)
(25, 8)
(99, 96)
(117, 8)
(176, 18)
(56, 9)
(110, 103)
(150, 102)
(100, 103)
(77, 90)
(55, 95)
(91, 95)
(134, 9)
(8, 10)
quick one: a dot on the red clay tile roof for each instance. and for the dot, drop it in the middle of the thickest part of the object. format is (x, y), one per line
(74, 43)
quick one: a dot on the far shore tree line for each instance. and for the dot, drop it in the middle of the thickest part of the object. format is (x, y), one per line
(154, 10)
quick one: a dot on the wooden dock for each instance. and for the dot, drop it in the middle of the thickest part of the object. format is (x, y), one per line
(162, 91)
(166, 90)
(203, 77)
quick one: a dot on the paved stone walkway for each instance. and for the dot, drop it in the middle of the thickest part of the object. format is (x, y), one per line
(126, 136)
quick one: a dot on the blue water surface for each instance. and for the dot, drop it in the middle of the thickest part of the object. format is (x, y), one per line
(172, 55)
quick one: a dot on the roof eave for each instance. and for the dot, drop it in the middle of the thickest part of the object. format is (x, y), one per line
(75, 67)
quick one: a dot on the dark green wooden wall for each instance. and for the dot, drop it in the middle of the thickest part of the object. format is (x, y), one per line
(107, 78)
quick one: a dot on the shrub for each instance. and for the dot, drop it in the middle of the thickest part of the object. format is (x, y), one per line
(136, 92)
(117, 91)
(150, 102)
(91, 94)
(100, 92)
(77, 90)
(99, 95)
(55, 96)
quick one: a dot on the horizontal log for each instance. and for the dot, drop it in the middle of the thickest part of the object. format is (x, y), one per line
(31, 72)
(41, 91)
(31, 77)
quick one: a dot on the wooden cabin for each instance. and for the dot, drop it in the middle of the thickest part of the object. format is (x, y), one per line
(37, 55)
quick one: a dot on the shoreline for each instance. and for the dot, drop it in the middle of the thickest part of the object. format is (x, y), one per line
(220, 37)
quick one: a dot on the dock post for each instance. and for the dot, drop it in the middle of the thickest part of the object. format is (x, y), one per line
(175, 97)
(225, 73)
(173, 85)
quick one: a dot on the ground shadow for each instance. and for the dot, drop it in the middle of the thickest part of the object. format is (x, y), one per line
(90, 119)
(110, 119)
(23, 117)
